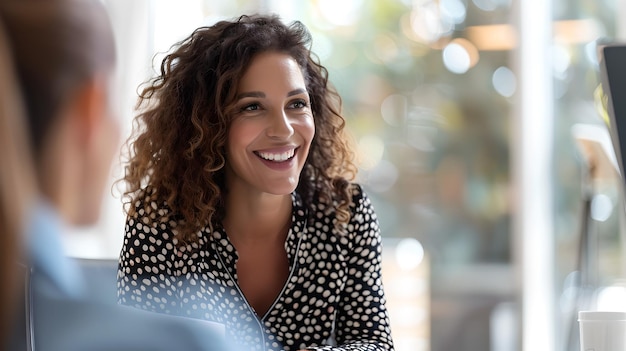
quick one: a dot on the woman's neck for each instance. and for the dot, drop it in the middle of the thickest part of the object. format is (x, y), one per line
(255, 217)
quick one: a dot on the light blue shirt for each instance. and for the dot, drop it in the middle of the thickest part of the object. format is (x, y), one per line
(46, 251)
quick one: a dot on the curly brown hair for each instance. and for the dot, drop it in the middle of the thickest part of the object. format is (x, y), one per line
(177, 157)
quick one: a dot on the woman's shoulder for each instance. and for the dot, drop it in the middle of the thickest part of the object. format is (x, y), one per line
(150, 220)
(146, 207)
(360, 200)
(361, 206)
(359, 209)
(362, 225)
(148, 215)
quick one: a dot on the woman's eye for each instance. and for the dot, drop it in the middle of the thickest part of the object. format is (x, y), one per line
(251, 107)
(298, 104)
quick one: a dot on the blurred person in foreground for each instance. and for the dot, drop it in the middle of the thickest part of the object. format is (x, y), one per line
(16, 189)
(63, 57)
(241, 208)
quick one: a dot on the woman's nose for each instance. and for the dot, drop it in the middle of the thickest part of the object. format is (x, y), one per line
(279, 126)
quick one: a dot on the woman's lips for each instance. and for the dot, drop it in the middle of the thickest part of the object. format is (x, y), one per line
(276, 156)
(278, 160)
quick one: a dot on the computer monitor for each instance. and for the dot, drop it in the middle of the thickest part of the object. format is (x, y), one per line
(613, 78)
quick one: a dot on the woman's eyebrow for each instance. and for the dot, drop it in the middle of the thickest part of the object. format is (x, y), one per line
(296, 92)
(255, 94)
(260, 94)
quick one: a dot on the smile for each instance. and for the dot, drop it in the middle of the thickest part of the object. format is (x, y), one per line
(276, 157)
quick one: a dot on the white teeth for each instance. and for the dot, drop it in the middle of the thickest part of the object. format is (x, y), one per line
(277, 157)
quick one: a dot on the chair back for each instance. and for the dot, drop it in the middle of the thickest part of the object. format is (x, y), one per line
(100, 278)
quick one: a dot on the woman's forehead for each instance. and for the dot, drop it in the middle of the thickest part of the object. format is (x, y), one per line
(269, 71)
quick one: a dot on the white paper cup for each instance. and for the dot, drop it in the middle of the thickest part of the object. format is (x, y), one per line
(602, 331)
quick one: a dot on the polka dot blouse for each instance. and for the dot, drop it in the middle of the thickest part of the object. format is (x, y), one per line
(333, 298)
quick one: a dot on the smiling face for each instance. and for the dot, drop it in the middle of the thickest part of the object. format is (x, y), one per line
(272, 129)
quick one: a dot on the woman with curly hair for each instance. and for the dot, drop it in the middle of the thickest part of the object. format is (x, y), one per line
(240, 204)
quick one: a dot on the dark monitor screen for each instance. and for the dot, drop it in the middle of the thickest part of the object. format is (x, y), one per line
(613, 77)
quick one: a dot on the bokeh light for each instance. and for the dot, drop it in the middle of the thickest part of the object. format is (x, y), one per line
(456, 58)
(428, 24)
(453, 9)
(601, 207)
(409, 253)
(492, 37)
(460, 55)
(504, 81)
(578, 31)
(385, 48)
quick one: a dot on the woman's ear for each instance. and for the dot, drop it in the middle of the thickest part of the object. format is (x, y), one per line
(89, 106)
(96, 134)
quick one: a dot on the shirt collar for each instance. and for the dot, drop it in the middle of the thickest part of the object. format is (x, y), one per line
(46, 251)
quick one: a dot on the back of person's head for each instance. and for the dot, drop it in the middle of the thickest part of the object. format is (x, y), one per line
(179, 149)
(58, 45)
(64, 54)
(16, 184)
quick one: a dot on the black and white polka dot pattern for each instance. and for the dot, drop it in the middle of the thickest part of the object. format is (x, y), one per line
(334, 285)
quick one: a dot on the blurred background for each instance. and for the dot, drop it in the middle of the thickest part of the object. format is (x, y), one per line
(475, 122)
